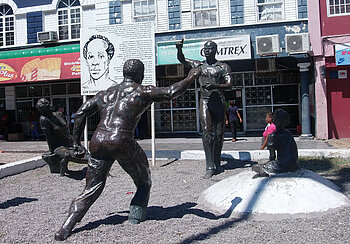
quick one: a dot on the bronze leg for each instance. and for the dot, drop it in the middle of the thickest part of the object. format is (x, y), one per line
(136, 165)
(95, 181)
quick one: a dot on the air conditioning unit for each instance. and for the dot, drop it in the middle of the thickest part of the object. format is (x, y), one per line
(267, 45)
(297, 43)
(265, 65)
(174, 71)
(47, 36)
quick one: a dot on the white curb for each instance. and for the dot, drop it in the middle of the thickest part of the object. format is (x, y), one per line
(255, 155)
(21, 166)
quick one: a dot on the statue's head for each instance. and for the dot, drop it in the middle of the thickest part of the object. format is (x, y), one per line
(280, 118)
(134, 69)
(209, 49)
(44, 106)
(98, 52)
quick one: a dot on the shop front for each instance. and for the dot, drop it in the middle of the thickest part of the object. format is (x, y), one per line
(259, 86)
(30, 74)
(338, 91)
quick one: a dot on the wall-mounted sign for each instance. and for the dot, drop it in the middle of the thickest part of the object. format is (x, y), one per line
(342, 54)
(233, 48)
(342, 74)
(104, 50)
(333, 74)
(40, 68)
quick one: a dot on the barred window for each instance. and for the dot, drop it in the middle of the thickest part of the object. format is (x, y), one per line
(69, 19)
(338, 7)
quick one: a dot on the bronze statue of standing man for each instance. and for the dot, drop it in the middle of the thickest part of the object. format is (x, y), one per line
(120, 108)
(214, 79)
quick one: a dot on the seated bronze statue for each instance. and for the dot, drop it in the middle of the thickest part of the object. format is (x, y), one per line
(60, 141)
(283, 142)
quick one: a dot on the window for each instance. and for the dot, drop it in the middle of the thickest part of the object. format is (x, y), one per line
(205, 13)
(7, 26)
(144, 10)
(338, 7)
(69, 19)
(270, 10)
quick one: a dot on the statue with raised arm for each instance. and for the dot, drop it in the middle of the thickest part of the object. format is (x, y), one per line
(120, 108)
(282, 142)
(58, 138)
(214, 79)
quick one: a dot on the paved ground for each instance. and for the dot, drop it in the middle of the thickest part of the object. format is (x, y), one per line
(34, 204)
(14, 151)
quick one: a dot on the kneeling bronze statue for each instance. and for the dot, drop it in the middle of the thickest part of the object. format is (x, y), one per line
(283, 142)
(62, 146)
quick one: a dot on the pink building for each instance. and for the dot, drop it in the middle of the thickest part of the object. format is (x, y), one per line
(330, 39)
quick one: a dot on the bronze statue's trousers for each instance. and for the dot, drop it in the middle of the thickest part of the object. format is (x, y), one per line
(212, 144)
(135, 164)
(95, 181)
(212, 118)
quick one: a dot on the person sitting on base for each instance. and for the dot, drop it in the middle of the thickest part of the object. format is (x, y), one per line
(283, 142)
(270, 128)
(120, 108)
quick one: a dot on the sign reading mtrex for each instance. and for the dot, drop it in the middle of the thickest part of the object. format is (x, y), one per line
(233, 48)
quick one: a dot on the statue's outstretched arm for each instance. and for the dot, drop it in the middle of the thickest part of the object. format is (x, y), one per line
(159, 94)
(181, 57)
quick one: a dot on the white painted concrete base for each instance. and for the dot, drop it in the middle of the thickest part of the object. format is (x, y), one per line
(21, 166)
(301, 192)
(254, 155)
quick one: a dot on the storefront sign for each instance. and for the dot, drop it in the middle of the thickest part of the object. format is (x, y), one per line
(234, 48)
(342, 74)
(342, 54)
(333, 74)
(40, 68)
(101, 67)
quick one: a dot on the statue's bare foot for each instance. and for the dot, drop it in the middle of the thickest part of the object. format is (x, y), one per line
(62, 234)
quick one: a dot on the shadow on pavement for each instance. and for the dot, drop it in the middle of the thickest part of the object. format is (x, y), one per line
(16, 202)
(110, 220)
(178, 211)
(232, 163)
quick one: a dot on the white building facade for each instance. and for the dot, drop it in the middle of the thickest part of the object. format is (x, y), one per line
(274, 34)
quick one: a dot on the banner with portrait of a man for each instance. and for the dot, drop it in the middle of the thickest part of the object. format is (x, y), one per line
(104, 49)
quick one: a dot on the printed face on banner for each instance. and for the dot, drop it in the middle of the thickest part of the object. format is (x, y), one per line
(98, 52)
(97, 59)
(104, 50)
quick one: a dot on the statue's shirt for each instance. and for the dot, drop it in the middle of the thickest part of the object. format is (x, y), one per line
(212, 74)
